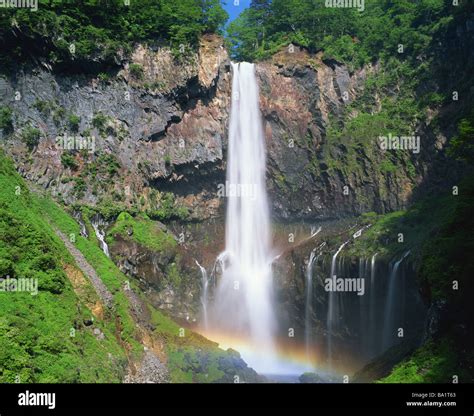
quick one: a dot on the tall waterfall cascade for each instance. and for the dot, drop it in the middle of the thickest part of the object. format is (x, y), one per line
(242, 305)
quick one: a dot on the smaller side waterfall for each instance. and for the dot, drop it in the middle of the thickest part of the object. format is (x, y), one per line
(308, 307)
(204, 294)
(333, 305)
(389, 331)
(363, 309)
(97, 223)
(372, 308)
(77, 215)
(314, 231)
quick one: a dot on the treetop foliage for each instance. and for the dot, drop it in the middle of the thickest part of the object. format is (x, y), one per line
(346, 34)
(67, 30)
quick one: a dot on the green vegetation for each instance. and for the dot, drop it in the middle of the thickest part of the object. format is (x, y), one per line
(99, 121)
(111, 276)
(69, 161)
(144, 231)
(42, 337)
(168, 209)
(109, 163)
(345, 34)
(6, 119)
(44, 107)
(435, 362)
(444, 252)
(80, 187)
(31, 137)
(58, 115)
(63, 31)
(194, 359)
(109, 209)
(104, 77)
(462, 146)
(136, 70)
(74, 121)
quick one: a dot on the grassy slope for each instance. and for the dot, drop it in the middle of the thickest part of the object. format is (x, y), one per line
(434, 362)
(35, 331)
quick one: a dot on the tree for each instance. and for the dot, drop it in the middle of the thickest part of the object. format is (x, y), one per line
(214, 16)
(462, 146)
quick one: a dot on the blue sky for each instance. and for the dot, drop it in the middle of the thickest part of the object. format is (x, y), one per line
(234, 10)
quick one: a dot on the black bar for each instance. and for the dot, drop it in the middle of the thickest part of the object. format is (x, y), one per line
(280, 396)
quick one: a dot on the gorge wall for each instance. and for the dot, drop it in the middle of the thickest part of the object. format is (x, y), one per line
(164, 130)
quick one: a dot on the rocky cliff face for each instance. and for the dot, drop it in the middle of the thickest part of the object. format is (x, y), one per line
(313, 175)
(160, 125)
(157, 124)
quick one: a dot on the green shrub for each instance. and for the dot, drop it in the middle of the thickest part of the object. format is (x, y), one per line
(145, 232)
(136, 71)
(108, 163)
(99, 121)
(42, 106)
(100, 29)
(31, 136)
(74, 121)
(6, 119)
(68, 161)
(168, 209)
(80, 187)
(104, 77)
(58, 115)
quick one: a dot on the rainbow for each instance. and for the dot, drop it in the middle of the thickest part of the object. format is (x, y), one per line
(291, 355)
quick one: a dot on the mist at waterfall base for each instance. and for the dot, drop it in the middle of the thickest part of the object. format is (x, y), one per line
(239, 309)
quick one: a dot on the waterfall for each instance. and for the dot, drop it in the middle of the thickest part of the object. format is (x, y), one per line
(243, 301)
(77, 215)
(372, 308)
(333, 305)
(363, 321)
(100, 234)
(314, 231)
(204, 294)
(307, 314)
(390, 305)
(358, 233)
(313, 258)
